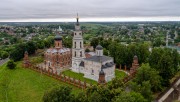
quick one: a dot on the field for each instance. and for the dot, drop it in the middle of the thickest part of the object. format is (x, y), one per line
(25, 85)
(78, 76)
(120, 74)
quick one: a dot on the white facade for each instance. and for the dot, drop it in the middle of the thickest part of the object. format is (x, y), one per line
(92, 69)
(92, 66)
(77, 48)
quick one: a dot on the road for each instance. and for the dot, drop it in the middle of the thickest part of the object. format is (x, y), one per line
(3, 61)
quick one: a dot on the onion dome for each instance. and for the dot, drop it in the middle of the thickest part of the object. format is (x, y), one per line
(26, 52)
(99, 47)
(58, 37)
(135, 57)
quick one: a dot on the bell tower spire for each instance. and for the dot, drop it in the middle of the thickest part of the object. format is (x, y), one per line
(77, 18)
(77, 48)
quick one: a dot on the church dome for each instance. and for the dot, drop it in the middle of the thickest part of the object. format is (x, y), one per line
(135, 57)
(99, 47)
(58, 37)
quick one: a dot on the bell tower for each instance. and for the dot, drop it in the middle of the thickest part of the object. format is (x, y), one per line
(77, 48)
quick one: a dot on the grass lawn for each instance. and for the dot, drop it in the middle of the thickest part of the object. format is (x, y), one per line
(78, 76)
(120, 74)
(25, 85)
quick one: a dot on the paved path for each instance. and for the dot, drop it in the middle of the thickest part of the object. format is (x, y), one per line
(3, 61)
(170, 91)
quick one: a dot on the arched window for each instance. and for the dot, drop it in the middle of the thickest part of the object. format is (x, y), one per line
(92, 72)
(80, 45)
(75, 54)
(75, 33)
(58, 44)
(75, 44)
(81, 54)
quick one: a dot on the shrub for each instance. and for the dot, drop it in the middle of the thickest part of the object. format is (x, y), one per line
(11, 64)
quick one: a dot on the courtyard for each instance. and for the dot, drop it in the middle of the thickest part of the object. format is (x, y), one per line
(118, 74)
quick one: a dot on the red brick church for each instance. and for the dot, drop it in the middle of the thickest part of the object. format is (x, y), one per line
(58, 57)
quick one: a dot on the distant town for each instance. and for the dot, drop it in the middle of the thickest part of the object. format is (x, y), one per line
(90, 62)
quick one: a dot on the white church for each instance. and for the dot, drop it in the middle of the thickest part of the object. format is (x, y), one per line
(93, 66)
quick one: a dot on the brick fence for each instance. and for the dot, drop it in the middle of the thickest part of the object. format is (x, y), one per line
(61, 77)
(76, 82)
(129, 77)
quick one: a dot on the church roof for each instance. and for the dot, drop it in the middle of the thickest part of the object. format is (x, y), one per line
(135, 57)
(98, 58)
(58, 37)
(99, 47)
(107, 65)
(101, 72)
(54, 50)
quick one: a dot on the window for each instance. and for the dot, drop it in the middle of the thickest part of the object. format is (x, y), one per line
(80, 45)
(81, 54)
(92, 72)
(75, 44)
(75, 33)
(75, 54)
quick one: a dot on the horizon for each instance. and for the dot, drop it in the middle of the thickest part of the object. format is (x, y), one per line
(85, 19)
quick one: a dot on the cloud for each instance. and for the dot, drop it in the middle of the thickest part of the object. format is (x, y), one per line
(51, 9)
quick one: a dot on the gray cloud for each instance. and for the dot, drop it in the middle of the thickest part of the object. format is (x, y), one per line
(22, 9)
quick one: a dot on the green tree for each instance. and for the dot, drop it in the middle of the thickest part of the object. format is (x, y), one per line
(145, 73)
(94, 42)
(60, 94)
(81, 97)
(87, 50)
(4, 54)
(130, 97)
(11, 64)
(144, 89)
(166, 62)
(105, 52)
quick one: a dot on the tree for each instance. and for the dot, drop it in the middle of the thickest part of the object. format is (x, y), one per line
(116, 83)
(81, 97)
(166, 62)
(166, 69)
(144, 89)
(98, 94)
(130, 97)
(145, 73)
(60, 94)
(105, 52)
(94, 42)
(4, 54)
(87, 50)
(11, 64)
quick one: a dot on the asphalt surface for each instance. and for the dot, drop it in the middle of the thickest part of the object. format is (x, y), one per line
(4, 61)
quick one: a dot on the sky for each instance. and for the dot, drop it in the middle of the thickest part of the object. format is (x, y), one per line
(89, 10)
